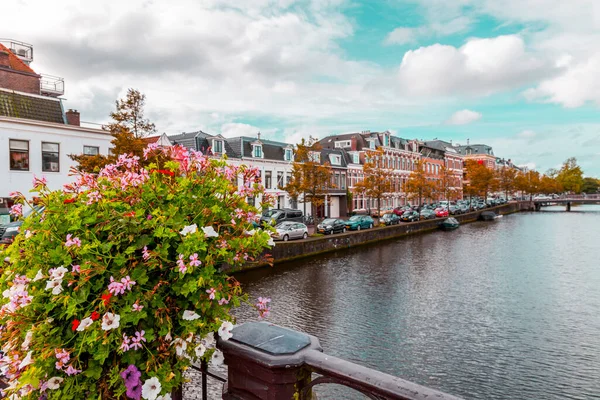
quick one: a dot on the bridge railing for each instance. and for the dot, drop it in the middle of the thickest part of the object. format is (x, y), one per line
(269, 362)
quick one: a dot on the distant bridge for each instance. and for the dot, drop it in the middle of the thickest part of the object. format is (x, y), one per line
(568, 201)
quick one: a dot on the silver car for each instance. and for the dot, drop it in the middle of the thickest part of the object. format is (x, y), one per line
(290, 230)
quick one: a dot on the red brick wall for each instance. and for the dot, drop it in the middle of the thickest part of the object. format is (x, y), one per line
(19, 81)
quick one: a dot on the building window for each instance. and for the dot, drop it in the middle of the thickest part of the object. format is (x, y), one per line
(251, 201)
(355, 158)
(315, 157)
(288, 155)
(343, 182)
(50, 157)
(335, 159)
(336, 181)
(341, 144)
(19, 155)
(268, 179)
(91, 150)
(280, 179)
(372, 144)
(257, 151)
(217, 146)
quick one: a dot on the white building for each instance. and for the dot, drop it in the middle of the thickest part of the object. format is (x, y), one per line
(29, 147)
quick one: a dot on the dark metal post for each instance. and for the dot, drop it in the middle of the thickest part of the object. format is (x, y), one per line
(204, 367)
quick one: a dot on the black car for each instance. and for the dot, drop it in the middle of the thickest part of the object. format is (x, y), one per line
(331, 225)
(426, 213)
(390, 219)
(410, 216)
(455, 210)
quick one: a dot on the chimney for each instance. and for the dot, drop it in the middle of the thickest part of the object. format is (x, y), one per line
(258, 135)
(353, 143)
(73, 117)
(468, 140)
(4, 59)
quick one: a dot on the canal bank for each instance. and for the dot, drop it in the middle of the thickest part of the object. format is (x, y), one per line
(294, 250)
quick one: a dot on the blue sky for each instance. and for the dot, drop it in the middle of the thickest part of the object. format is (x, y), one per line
(519, 75)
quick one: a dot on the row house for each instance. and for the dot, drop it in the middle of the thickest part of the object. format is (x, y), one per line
(400, 156)
(36, 134)
(439, 153)
(478, 152)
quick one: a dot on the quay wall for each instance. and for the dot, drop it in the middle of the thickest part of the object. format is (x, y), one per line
(294, 250)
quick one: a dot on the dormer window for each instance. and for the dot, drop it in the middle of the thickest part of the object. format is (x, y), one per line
(314, 156)
(335, 159)
(257, 151)
(288, 154)
(372, 144)
(356, 158)
(386, 139)
(217, 146)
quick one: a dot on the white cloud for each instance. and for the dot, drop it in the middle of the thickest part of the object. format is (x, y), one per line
(480, 67)
(402, 36)
(233, 129)
(526, 134)
(438, 28)
(463, 117)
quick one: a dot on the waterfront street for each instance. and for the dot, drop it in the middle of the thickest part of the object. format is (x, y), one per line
(500, 310)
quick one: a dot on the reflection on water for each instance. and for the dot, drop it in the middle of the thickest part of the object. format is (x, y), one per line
(508, 309)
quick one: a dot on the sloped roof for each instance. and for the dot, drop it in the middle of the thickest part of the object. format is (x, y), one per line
(343, 157)
(199, 141)
(22, 105)
(475, 149)
(15, 62)
(272, 150)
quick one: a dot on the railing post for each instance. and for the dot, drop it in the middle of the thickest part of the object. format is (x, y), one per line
(266, 362)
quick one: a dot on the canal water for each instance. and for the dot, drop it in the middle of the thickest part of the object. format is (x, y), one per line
(508, 309)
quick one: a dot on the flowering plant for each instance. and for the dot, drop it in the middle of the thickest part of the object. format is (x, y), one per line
(118, 285)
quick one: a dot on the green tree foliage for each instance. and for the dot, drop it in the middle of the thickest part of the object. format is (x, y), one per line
(570, 176)
(590, 185)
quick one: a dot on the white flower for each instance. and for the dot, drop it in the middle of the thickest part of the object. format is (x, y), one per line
(56, 286)
(271, 242)
(58, 273)
(27, 341)
(209, 340)
(151, 388)
(28, 234)
(209, 231)
(85, 323)
(225, 330)
(38, 276)
(200, 350)
(26, 361)
(54, 382)
(165, 397)
(180, 347)
(250, 233)
(110, 321)
(168, 337)
(189, 229)
(217, 358)
(190, 315)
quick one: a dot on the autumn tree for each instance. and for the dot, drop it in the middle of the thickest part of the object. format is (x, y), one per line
(549, 184)
(419, 184)
(506, 180)
(447, 183)
(570, 176)
(481, 178)
(311, 180)
(528, 182)
(377, 180)
(128, 127)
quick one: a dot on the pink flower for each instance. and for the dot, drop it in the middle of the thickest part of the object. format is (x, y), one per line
(16, 210)
(72, 241)
(136, 307)
(115, 287)
(76, 268)
(194, 260)
(62, 355)
(39, 181)
(263, 307)
(145, 254)
(93, 197)
(239, 213)
(223, 301)
(125, 344)
(136, 342)
(72, 371)
(211, 293)
(181, 264)
(127, 282)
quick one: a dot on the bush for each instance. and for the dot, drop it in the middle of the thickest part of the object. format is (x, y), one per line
(117, 286)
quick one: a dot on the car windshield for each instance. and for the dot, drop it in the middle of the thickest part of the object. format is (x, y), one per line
(270, 213)
(329, 221)
(284, 225)
(355, 218)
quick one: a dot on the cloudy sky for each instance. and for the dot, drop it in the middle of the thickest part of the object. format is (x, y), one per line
(520, 75)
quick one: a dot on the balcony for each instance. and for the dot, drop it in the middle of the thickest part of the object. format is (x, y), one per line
(21, 49)
(52, 86)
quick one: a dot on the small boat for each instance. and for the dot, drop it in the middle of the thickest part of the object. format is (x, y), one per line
(488, 216)
(450, 224)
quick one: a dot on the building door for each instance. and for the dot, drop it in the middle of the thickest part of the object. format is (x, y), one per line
(280, 202)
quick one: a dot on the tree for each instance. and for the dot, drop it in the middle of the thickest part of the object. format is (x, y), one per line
(419, 184)
(127, 129)
(377, 180)
(590, 185)
(310, 178)
(506, 180)
(447, 183)
(481, 178)
(549, 184)
(570, 176)
(528, 182)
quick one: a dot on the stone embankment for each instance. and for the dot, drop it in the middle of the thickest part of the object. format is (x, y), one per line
(293, 250)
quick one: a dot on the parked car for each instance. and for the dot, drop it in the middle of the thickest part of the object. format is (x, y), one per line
(410, 216)
(441, 212)
(454, 210)
(331, 225)
(10, 230)
(290, 230)
(358, 222)
(390, 219)
(427, 214)
(464, 208)
(276, 216)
